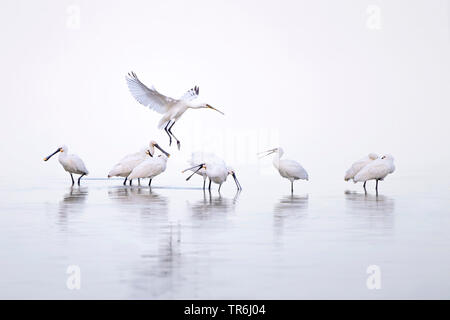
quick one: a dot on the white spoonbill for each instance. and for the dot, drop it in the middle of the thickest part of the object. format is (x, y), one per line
(124, 167)
(151, 167)
(289, 169)
(70, 162)
(376, 170)
(172, 109)
(358, 165)
(209, 159)
(216, 173)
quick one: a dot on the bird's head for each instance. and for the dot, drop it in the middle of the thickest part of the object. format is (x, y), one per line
(373, 156)
(387, 157)
(196, 169)
(233, 174)
(63, 148)
(268, 152)
(207, 106)
(151, 149)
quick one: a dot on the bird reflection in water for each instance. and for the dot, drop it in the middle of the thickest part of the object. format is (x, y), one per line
(213, 206)
(288, 212)
(158, 272)
(370, 212)
(73, 202)
(154, 272)
(140, 199)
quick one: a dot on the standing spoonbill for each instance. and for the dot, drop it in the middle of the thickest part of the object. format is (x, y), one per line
(216, 173)
(289, 169)
(151, 167)
(358, 165)
(172, 109)
(376, 170)
(124, 167)
(209, 159)
(70, 162)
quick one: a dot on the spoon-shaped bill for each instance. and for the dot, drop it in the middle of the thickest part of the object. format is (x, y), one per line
(48, 157)
(208, 106)
(163, 151)
(266, 153)
(194, 167)
(238, 185)
(199, 167)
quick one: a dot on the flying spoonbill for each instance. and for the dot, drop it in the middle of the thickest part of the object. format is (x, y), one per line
(151, 167)
(124, 167)
(376, 170)
(289, 169)
(358, 165)
(171, 108)
(70, 162)
(216, 173)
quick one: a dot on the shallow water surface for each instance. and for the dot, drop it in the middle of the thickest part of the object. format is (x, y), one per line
(136, 243)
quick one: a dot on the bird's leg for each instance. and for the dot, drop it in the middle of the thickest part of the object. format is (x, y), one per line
(170, 131)
(139, 181)
(80, 179)
(292, 187)
(364, 186)
(73, 182)
(131, 182)
(165, 129)
(376, 187)
(204, 182)
(209, 188)
(220, 186)
(125, 181)
(150, 183)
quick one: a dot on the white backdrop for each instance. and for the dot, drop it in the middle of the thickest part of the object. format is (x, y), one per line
(329, 81)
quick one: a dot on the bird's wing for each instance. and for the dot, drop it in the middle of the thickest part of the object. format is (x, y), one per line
(191, 94)
(148, 97)
(147, 168)
(141, 170)
(118, 169)
(374, 170)
(356, 167)
(294, 169)
(79, 164)
(378, 170)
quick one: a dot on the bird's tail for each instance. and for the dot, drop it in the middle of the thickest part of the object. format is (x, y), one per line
(349, 174)
(115, 171)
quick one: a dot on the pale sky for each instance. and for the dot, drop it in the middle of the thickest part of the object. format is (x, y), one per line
(329, 81)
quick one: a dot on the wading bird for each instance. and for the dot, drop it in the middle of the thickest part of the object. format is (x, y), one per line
(70, 162)
(216, 173)
(207, 158)
(376, 170)
(124, 167)
(172, 109)
(150, 167)
(358, 165)
(289, 169)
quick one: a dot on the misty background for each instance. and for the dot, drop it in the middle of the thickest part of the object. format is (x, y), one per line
(329, 81)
